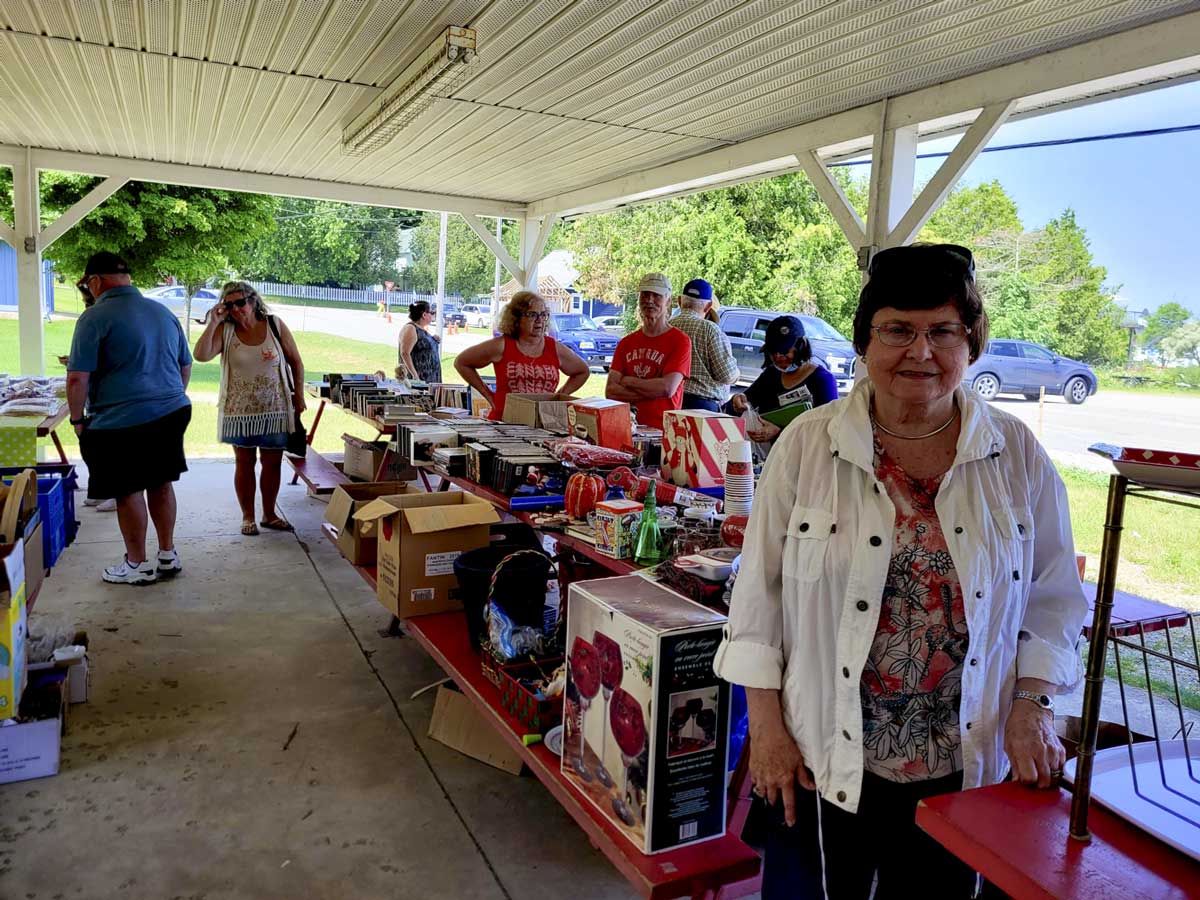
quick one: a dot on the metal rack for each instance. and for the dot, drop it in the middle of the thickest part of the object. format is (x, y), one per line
(1187, 789)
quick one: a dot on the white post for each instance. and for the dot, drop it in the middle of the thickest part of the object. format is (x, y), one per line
(496, 281)
(441, 285)
(31, 327)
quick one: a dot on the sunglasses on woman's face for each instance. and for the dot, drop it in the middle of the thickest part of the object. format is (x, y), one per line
(239, 303)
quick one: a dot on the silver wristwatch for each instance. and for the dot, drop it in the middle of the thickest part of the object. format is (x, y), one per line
(1045, 701)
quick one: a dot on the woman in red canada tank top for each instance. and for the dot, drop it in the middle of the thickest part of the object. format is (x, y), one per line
(525, 359)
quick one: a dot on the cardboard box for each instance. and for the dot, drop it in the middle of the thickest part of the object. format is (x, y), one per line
(12, 628)
(346, 500)
(35, 560)
(32, 749)
(604, 422)
(615, 525)
(363, 458)
(646, 736)
(458, 725)
(419, 537)
(696, 446)
(547, 411)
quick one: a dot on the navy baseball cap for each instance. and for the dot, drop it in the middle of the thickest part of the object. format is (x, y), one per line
(105, 263)
(782, 334)
(698, 289)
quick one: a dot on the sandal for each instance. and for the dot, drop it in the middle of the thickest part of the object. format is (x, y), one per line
(249, 529)
(277, 524)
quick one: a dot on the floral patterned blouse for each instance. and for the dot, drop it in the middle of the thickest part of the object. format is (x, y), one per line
(912, 683)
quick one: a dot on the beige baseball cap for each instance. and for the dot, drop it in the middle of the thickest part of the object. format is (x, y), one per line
(657, 283)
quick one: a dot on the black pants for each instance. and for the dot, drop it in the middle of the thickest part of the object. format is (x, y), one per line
(882, 839)
(693, 401)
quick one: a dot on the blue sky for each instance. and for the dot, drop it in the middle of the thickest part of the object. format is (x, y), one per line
(1138, 198)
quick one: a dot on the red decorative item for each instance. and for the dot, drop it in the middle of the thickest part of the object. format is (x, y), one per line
(584, 491)
(623, 477)
(733, 530)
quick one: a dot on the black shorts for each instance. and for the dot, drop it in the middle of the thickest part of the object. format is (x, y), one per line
(124, 461)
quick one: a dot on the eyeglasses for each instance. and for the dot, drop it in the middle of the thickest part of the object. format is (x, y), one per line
(946, 336)
(239, 303)
(536, 315)
(894, 257)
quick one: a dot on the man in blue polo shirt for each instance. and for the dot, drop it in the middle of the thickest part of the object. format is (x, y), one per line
(130, 363)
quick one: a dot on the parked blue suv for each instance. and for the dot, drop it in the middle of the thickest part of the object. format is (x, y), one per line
(585, 337)
(1019, 367)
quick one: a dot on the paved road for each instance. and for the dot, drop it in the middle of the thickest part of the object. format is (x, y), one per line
(360, 326)
(1168, 422)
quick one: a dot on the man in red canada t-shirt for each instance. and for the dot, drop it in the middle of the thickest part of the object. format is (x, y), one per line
(649, 365)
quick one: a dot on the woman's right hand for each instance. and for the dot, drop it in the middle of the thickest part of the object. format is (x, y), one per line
(739, 403)
(776, 765)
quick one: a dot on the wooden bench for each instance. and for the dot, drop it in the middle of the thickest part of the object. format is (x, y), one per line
(318, 471)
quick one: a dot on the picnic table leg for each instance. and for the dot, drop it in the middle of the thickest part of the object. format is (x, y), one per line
(384, 462)
(62, 454)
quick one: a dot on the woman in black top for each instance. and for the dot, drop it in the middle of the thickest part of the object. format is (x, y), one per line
(420, 352)
(789, 376)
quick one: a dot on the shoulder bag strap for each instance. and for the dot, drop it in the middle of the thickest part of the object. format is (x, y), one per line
(287, 369)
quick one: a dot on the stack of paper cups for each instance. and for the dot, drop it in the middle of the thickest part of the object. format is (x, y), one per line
(739, 478)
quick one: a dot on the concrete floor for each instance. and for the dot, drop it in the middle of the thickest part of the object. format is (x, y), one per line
(178, 777)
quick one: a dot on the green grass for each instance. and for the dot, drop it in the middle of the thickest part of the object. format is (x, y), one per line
(1158, 546)
(1160, 380)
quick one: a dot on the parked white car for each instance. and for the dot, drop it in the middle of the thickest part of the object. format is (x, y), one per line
(477, 316)
(612, 323)
(174, 298)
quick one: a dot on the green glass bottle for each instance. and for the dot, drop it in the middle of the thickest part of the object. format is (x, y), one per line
(649, 550)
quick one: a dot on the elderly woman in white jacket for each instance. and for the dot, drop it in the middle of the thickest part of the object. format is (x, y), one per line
(908, 634)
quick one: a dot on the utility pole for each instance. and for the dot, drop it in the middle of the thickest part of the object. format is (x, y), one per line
(441, 285)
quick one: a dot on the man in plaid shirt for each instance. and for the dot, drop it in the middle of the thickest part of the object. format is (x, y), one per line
(713, 365)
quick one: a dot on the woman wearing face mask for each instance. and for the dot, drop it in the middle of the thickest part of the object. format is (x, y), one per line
(259, 398)
(789, 376)
(525, 358)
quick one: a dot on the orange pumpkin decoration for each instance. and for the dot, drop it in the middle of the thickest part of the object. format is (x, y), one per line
(584, 491)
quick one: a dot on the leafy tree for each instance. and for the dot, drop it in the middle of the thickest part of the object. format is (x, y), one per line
(1017, 310)
(1163, 322)
(972, 213)
(332, 244)
(193, 234)
(1183, 343)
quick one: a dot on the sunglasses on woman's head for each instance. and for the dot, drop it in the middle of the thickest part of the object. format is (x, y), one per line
(896, 257)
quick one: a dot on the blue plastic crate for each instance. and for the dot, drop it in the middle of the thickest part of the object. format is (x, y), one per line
(53, 515)
(70, 486)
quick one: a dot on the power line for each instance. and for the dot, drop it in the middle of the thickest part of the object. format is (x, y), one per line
(1056, 142)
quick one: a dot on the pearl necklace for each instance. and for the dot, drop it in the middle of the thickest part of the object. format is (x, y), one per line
(914, 437)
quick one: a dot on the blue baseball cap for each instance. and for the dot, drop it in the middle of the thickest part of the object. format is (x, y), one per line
(783, 333)
(698, 289)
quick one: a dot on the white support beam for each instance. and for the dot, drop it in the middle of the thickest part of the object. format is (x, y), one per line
(493, 244)
(30, 325)
(893, 177)
(441, 281)
(281, 185)
(534, 234)
(834, 197)
(81, 208)
(1156, 44)
(951, 170)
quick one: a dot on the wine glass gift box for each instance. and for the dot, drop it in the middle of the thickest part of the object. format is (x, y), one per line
(646, 720)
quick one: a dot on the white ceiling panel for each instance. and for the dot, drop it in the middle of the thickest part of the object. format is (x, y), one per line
(564, 94)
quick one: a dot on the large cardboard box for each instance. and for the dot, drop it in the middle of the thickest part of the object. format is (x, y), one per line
(419, 537)
(696, 446)
(604, 422)
(646, 735)
(348, 499)
(35, 559)
(547, 411)
(12, 628)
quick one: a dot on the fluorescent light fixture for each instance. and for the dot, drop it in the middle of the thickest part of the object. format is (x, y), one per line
(435, 73)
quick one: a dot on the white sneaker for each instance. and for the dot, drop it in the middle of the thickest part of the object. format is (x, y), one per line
(106, 506)
(90, 502)
(126, 573)
(168, 563)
